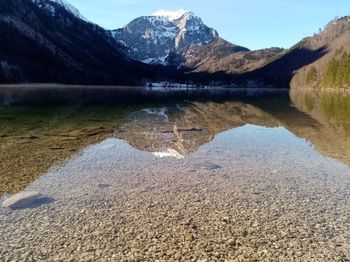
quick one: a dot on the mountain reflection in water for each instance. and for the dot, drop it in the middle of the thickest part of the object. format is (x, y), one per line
(183, 128)
(35, 136)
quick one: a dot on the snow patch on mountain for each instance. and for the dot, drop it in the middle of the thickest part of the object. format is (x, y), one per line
(157, 60)
(171, 15)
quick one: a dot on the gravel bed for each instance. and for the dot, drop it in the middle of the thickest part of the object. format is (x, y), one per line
(251, 194)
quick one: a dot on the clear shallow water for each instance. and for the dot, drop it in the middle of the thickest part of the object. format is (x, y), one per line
(254, 178)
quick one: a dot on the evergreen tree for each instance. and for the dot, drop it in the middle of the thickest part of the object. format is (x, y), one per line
(337, 74)
(311, 76)
(331, 73)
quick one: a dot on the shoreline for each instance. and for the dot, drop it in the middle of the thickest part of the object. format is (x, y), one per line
(342, 91)
(174, 87)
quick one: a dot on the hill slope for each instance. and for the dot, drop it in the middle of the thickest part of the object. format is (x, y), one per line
(333, 69)
(222, 56)
(317, 61)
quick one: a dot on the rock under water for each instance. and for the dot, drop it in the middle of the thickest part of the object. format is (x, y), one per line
(26, 200)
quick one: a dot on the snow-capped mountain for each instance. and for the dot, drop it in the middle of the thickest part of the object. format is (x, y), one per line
(51, 6)
(158, 38)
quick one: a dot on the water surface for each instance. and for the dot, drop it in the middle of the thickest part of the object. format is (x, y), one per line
(185, 175)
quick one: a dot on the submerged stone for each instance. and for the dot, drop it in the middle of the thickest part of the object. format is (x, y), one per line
(210, 166)
(26, 200)
(213, 166)
(102, 186)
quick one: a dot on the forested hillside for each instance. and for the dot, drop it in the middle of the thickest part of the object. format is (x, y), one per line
(332, 70)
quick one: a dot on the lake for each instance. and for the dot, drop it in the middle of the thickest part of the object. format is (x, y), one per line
(135, 174)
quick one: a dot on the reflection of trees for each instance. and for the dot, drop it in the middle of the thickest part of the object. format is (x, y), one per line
(332, 112)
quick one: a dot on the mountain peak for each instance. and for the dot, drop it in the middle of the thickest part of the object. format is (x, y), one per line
(158, 39)
(172, 15)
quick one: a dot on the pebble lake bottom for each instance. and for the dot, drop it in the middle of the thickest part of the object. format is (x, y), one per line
(252, 192)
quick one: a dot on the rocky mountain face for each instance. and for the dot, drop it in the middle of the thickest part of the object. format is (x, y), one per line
(154, 39)
(47, 41)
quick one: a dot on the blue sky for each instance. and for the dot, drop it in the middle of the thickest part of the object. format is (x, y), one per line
(251, 23)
